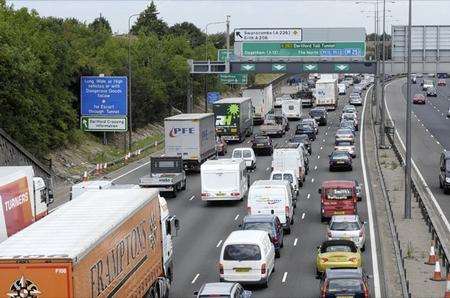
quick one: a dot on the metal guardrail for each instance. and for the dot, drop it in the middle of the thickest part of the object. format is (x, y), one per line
(436, 226)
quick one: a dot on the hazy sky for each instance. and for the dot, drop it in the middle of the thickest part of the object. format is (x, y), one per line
(294, 13)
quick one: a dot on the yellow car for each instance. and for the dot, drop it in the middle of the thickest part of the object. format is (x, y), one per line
(337, 254)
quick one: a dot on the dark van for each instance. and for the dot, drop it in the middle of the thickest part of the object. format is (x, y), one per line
(444, 173)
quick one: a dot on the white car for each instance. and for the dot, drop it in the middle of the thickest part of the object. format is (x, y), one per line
(247, 154)
(350, 116)
(348, 227)
(345, 146)
(350, 109)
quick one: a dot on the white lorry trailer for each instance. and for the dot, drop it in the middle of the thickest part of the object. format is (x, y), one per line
(262, 101)
(292, 108)
(326, 93)
(24, 199)
(192, 137)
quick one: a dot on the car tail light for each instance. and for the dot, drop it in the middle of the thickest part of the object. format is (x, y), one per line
(263, 268)
(323, 290)
(235, 194)
(352, 259)
(286, 209)
(249, 209)
(324, 260)
(205, 194)
(366, 290)
(220, 268)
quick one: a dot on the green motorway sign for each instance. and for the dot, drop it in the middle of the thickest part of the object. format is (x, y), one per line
(248, 67)
(278, 67)
(222, 54)
(310, 67)
(341, 67)
(304, 49)
(234, 78)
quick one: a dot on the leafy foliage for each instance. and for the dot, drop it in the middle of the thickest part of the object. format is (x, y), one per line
(43, 59)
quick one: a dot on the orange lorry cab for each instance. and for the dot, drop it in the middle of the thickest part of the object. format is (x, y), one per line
(337, 197)
(106, 243)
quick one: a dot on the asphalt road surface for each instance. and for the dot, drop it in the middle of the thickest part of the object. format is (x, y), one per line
(205, 227)
(430, 131)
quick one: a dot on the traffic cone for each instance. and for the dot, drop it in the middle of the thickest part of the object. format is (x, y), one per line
(437, 272)
(447, 288)
(97, 169)
(100, 168)
(85, 176)
(432, 258)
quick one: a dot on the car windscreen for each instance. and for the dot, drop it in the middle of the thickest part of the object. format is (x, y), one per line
(260, 226)
(247, 154)
(242, 252)
(237, 154)
(345, 226)
(346, 285)
(339, 193)
(336, 248)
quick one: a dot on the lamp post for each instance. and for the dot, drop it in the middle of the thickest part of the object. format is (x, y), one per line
(129, 79)
(407, 214)
(206, 59)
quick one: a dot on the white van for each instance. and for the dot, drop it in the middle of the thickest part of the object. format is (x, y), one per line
(288, 175)
(292, 108)
(342, 89)
(224, 180)
(286, 157)
(247, 257)
(247, 154)
(272, 197)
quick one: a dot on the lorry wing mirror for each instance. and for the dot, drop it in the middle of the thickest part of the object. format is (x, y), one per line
(173, 225)
(50, 196)
(195, 293)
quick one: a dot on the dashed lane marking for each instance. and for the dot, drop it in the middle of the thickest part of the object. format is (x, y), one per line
(195, 278)
(236, 217)
(191, 198)
(295, 241)
(284, 277)
(308, 196)
(303, 215)
(218, 244)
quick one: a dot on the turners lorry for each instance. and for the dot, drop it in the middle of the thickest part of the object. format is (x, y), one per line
(104, 243)
(24, 199)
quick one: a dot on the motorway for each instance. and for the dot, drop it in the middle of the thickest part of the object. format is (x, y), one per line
(205, 227)
(430, 132)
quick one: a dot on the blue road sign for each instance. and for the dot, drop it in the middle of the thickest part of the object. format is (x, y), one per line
(104, 96)
(213, 97)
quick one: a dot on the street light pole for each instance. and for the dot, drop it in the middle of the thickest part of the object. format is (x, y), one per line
(129, 80)
(408, 121)
(383, 83)
(206, 59)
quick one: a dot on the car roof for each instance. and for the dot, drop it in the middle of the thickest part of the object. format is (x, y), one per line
(260, 218)
(446, 154)
(217, 288)
(338, 183)
(270, 183)
(245, 237)
(344, 218)
(343, 273)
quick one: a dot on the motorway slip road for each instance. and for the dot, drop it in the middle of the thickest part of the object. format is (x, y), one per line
(205, 227)
(430, 132)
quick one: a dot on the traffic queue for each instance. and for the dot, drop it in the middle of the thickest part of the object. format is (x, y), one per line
(248, 255)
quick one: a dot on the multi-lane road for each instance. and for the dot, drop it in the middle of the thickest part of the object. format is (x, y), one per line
(430, 132)
(205, 227)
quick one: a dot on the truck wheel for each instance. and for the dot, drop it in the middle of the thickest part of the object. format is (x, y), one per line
(183, 185)
(322, 218)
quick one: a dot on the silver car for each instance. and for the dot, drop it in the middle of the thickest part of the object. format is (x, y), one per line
(344, 134)
(347, 227)
(223, 289)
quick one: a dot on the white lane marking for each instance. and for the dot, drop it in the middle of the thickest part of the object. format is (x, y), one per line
(373, 244)
(131, 171)
(218, 244)
(323, 140)
(321, 147)
(268, 168)
(318, 156)
(249, 141)
(195, 278)
(295, 241)
(303, 215)
(438, 142)
(315, 168)
(433, 198)
(431, 136)
(236, 217)
(191, 198)
(312, 180)
(326, 133)
(284, 277)
(308, 196)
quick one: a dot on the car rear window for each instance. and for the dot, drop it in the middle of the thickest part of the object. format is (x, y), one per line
(260, 226)
(242, 252)
(345, 226)
(261, 140)
(288, 177)
(277, 177)
(247, 153)
(343, 143)
(347, 285)
(316, 113)
(337, 248)
(339, 193)
(339, 155)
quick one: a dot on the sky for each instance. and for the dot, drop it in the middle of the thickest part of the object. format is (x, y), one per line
(248, 13)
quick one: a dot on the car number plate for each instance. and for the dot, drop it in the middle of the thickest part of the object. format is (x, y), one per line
(340, 162)
(220, 194)
(242, 269)
(259, 145)
(345, 296)
(339, 212)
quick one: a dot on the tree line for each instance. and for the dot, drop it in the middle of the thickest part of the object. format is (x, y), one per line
(43, 58)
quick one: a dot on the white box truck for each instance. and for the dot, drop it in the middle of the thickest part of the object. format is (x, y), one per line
(327, 93)
(224, 180)
(292, 108)
(191, 136)
(288, 158)
(24, 199)
(262, 101)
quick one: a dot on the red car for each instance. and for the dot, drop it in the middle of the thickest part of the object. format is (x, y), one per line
(419, 99)
(221, 146)
(442, 82)
(337, 197)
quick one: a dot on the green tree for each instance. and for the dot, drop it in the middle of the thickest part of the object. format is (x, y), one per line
(148, 22)
(101, 25)
(195, 36)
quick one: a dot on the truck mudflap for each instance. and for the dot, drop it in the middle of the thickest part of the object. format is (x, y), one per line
(164, 287)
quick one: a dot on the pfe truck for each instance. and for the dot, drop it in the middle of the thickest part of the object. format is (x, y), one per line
(192, 137)
(233, 118)
(104, 243)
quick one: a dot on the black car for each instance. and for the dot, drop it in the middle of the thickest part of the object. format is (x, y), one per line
(444, 173)
(320, 115)
(269, 223)
(262, 144)
(307, 130)
(304, 138)
(344, 282)
(340, 160)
